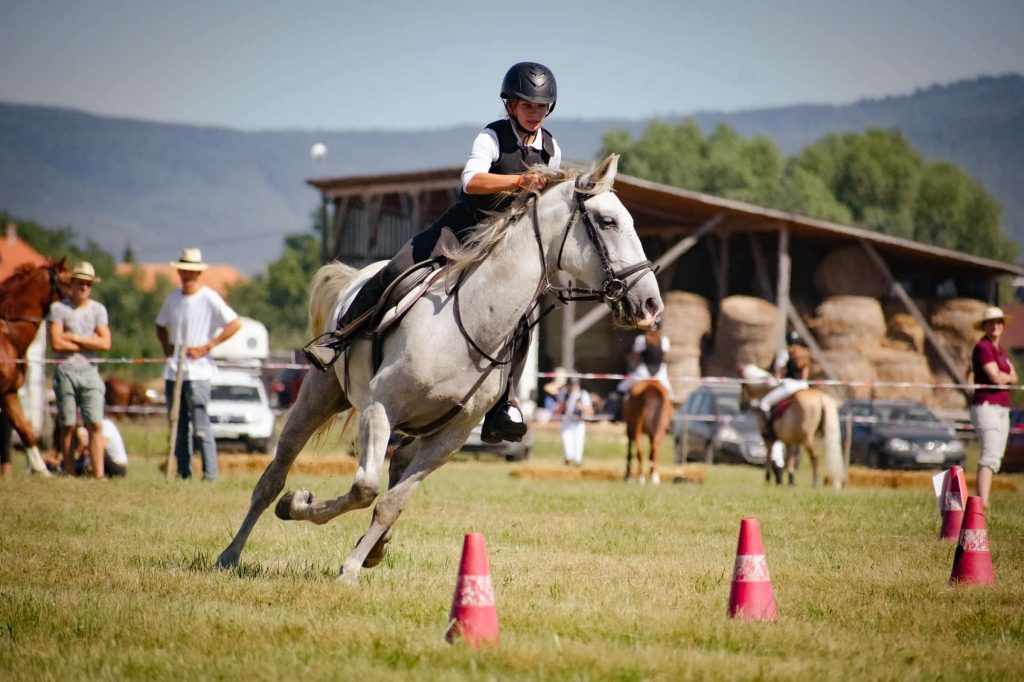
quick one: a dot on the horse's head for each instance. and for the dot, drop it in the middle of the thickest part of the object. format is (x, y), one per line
(600, 248)
(59, 278)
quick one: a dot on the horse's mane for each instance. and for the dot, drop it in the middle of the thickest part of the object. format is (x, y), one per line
(491, 232)
(13, 284)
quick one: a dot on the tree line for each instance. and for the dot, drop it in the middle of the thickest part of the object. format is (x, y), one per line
(875, 180)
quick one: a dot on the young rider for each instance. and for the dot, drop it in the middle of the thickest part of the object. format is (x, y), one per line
(498, 166)
(648, 359)
(793, 370)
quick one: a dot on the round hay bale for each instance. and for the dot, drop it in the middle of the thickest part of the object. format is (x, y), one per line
(748, 331)
(904, 333)
(683, 363)
(843, 272)
(901, 366)
(946, 398)
(848, 366)
(851, 323)
(955, 318)
(686, 320)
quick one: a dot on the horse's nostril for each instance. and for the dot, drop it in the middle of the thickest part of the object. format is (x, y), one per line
(651, 306)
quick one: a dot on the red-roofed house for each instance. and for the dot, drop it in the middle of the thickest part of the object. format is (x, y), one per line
(217, 277)
(14, 252)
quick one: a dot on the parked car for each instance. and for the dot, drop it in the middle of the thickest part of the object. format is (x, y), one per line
(285, 387)
(240, 411)
(710, 426)
(1013, 458)
(899, 434)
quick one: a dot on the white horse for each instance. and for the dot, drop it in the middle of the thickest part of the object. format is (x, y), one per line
(429, 366)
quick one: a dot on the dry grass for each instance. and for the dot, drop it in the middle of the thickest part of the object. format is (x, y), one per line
(861, 477)
(597, 581)
(534, 472)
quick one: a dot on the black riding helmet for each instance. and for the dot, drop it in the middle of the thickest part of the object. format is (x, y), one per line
(530, 82)
(794, 339)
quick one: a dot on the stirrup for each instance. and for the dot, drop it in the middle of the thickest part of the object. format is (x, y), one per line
(502, 427)
(324, 350)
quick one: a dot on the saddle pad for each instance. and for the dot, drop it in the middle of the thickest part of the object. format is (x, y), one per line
(782, 406)
(349, 294)
(396, 312)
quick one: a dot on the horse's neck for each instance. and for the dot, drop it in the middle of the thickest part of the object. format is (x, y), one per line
(503, 287)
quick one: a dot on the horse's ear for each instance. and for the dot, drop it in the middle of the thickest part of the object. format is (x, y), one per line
(61, 263)
(603, 177)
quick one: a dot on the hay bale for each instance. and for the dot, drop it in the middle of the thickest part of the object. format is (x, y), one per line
(848, 366)
(539, 472)
(955, 318)
(686, 320)
(853, 323)
(862, 477)
(324, 465)
(849, 271)
(683, 363)
(748, 331)
(901, 366)
(902, 332)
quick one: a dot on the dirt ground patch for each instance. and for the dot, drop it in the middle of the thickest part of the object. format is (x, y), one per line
(537, 472)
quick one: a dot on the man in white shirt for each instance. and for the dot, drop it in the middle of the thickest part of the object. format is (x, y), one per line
(197, 318)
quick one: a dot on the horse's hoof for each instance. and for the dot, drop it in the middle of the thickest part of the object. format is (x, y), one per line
(226, 560)
(655, 479)
(348, 578)
(283, 510)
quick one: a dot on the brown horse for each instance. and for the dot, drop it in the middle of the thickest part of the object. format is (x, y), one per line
(810, 412)
(25, 299)
(122, 396)
(647, 411)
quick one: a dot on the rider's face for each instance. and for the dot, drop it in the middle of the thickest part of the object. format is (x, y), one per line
(530, 115)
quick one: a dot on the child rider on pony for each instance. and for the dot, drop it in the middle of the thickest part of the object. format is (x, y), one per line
(498, 167)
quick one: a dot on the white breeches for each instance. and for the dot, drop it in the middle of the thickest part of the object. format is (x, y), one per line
(641, 372)
(573, 433)
(785, 389)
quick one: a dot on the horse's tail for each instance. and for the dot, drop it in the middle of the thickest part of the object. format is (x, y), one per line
(328, 282)
(833, 447)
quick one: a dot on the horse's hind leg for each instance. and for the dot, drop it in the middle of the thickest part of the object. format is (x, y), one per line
(629, 456)
(374, 432)
(12, 408)
(653, 459)
(320, 398)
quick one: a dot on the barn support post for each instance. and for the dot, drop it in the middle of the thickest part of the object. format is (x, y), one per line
(670, 256)
(794, 317)
(908, 303)
(760, 268)
(785, 272)
(341, 207)
(376, 203)
(324, 229)
(568, 338)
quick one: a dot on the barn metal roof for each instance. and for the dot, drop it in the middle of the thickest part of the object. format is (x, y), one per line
(659, 209)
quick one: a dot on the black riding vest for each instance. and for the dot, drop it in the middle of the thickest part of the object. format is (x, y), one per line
(653, 356)
(513, 158)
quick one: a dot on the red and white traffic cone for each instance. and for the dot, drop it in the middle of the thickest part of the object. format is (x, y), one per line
(474, 616)
(751, 596)
(972, 563)
(954, 494)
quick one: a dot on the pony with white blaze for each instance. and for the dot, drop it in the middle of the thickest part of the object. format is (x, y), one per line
(444, 363)
(811, 411)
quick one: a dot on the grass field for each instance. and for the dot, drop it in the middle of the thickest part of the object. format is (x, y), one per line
(593, 581)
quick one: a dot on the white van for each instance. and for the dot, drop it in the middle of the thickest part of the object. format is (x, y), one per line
(240, 411)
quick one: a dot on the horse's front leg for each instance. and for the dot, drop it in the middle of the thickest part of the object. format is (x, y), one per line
(374, 432)
(629, 456)
(400, 460)
(320, 398)
(434, 452)
(12, 407)
(814, 463)
(653, 459)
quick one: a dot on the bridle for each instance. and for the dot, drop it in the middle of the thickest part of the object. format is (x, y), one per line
(616, 282)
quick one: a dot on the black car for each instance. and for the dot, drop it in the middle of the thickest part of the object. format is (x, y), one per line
(899, 434)
(711, 427)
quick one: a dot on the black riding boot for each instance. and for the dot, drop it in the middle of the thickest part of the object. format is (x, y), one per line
(500, 423)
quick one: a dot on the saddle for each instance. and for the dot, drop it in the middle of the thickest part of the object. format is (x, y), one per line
(394, 303)
(780, 408)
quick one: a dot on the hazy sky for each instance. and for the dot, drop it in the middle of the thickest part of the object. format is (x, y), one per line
(401, 65)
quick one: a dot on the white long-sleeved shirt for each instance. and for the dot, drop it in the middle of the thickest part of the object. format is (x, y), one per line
(485, 152)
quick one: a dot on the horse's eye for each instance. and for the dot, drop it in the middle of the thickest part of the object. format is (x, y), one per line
(608, 223)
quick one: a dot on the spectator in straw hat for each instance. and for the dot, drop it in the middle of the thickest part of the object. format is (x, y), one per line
(197, 318)
(79, 331)
(990, 407)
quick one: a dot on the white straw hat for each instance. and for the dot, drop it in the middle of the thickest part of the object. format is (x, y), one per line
(85, 272)
(191, 259)
(991, 313)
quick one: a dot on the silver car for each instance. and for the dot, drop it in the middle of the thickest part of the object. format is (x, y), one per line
(710, 426)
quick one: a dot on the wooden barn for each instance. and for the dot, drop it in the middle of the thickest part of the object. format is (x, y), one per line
(872, 306)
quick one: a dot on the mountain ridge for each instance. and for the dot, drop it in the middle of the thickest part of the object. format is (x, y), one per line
(159, 186)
